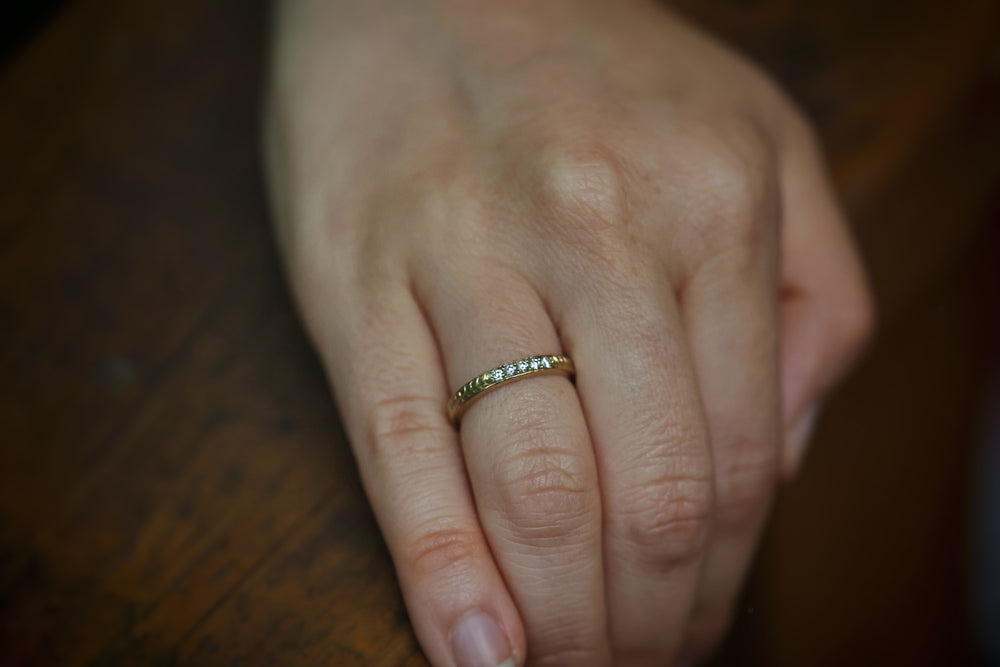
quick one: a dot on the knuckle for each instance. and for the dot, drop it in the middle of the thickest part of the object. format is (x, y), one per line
(409, 423)
(548, 486)
(586, 180)
(441, 549)
(585, 188)
(747, 478)
(733, 182)
(740, 191)
(548, 494)
(668, 522)
(730, 175)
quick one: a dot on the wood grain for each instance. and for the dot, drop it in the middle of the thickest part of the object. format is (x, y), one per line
(175, 487)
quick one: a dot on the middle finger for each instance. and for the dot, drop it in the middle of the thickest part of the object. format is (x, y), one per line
(639, 392)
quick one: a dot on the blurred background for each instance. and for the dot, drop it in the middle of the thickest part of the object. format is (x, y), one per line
(174, 484)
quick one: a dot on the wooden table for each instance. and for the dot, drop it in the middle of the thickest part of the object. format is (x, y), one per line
(175, 487)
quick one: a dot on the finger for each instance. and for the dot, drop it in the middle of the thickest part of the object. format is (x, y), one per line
(731, 317)
(531, 464)
(827, 312)
(639, 393)
(392, 392)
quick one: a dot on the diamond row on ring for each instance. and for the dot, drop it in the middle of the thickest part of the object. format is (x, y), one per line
(543, 363)
(520, 367)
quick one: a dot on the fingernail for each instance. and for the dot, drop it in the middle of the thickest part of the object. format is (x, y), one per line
(477, 641)
(801, 432)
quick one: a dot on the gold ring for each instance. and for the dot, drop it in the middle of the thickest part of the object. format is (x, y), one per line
(546, 364)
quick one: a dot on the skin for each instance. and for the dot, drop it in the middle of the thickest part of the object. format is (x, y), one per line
(460, 183)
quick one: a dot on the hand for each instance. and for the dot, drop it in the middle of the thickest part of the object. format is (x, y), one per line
(458, 184)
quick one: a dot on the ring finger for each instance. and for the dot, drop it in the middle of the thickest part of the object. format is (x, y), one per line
(530, 462)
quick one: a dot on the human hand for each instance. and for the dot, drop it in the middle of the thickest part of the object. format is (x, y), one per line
(460, 184)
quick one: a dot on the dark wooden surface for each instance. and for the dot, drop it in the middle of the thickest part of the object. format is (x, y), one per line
(174, 484)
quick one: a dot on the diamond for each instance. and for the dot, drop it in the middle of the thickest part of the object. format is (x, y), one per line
(522, 365)
(511, 370)
(546, 362)
(497, 374)
(535, 364)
